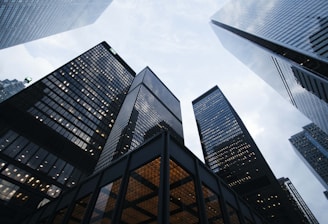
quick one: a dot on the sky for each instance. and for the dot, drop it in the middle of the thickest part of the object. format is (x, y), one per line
(175, 39)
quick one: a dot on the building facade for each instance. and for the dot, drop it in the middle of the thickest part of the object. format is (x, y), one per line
(159, 182)
(50, 129)
(297, 201)
(9, 88)
(311, 145)
(24, 21)
(284, 43)
(230, 151)
(150, 107)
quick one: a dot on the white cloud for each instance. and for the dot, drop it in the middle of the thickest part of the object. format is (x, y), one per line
(175, 40)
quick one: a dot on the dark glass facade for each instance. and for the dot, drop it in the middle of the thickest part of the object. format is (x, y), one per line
(149, 108)
(52, 133)
(23, 21)
(311, 145)
(286, 45)
(159, 182)
(230, 151)
(297, 201)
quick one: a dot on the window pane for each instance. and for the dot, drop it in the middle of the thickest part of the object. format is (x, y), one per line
(59, 216)
(104, 208)
(233, 216)
(141, 200)
(212, 206)
(183, 204)
(79, 209)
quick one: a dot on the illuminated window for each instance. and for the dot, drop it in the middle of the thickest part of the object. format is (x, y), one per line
(183, 206)
(141, 200)
(212, 206)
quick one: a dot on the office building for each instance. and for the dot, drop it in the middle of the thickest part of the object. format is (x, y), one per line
(297, 201)
(9, 88)
(150, 107)
(159, 182)
(53, 132)
(231, 153)
(284, 43)
(24, 21)
(311, 145)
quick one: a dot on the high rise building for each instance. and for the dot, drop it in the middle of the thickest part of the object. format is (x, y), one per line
(24, 21)
(230, 151)
(159, 182)
(284, 43)
(52, 133)
(311, 145)
(297, 201)
(149, 108)
(9, 88)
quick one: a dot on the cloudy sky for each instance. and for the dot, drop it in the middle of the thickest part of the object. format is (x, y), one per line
(175, 39)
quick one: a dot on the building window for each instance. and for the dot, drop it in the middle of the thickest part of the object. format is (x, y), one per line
(141, 199)
(212, 206)
(183, 206)
(233, 216)
(79, 209)
(104, 208)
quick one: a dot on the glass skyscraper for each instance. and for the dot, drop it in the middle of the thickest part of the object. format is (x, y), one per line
(230, 151)
(9, 88)
(23, 21)
(53, 132)
(285, 42)
(150, 107)
(297, 201)
(311, 145)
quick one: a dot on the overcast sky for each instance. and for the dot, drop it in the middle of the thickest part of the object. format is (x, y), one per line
(175, 39)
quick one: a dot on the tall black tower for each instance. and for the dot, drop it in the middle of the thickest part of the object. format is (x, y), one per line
(52, 133)
(230, 151)
(150, 107)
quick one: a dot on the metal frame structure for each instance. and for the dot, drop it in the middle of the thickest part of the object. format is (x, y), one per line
(160, 182)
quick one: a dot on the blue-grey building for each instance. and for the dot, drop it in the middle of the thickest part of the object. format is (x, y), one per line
(285, 42)
(230, 151)
(311, 145)
(24, 21)
(9, 88)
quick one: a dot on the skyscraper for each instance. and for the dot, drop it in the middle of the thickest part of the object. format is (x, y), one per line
(230, 151)
(297, 201)
(24, 21)
(285, 44)
(311, 145)
(52, 133)
(149, 108)
(9, 88)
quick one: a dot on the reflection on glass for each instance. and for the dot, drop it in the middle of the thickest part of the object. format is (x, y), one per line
(183, 206)
(233, 216)
(105, 204)
(79, 209)
(212, 206)
(141, 200)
